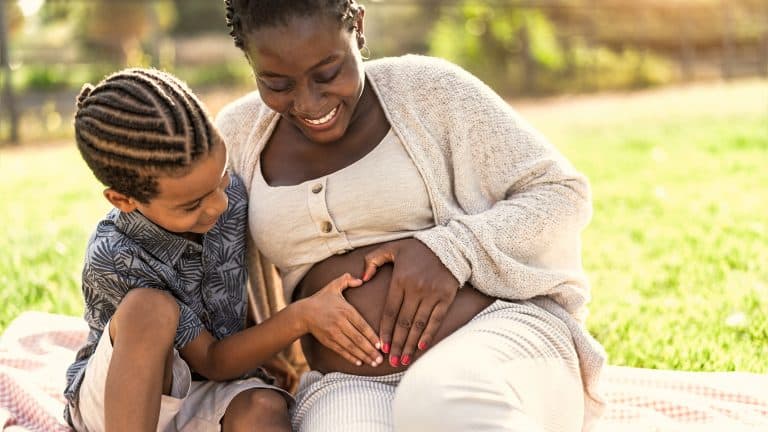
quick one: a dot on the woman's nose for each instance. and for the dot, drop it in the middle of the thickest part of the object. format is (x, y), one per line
(308, 102)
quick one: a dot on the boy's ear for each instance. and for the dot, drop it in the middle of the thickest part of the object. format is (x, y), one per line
(123, 202)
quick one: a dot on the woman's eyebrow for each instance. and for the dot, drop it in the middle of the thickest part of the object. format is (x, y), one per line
(330, 59)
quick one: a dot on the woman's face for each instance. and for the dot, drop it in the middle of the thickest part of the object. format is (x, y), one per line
(310, 71)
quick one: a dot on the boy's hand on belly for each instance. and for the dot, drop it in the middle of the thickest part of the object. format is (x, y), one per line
(420, 292)
(336, 324)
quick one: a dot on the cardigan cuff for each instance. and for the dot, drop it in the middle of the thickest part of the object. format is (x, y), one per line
(441, 240)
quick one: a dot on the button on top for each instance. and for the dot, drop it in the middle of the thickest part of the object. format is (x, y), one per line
(317, 188)
(326, 227)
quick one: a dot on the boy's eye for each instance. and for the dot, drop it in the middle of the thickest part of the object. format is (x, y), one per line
(193, 207)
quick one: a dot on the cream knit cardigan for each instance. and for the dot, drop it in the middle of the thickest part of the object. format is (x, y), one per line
(508, 207)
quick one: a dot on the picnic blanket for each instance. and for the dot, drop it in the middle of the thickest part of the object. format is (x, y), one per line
(37, 347)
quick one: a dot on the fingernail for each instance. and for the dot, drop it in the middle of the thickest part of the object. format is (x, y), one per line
(422, 346)
(405, 360)
(378, 345)
(394, 361)
(379, 360)
(385, 348)
(359, 363)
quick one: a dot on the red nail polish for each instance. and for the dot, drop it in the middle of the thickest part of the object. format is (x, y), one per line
(394, 361)
(405, 360)
(422, 346)
(385, 348)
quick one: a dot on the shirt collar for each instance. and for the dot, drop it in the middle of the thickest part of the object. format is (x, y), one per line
(164, 245)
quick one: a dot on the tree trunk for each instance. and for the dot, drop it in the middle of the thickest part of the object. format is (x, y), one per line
(7, 98)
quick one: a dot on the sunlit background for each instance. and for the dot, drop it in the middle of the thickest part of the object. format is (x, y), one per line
(663, 104)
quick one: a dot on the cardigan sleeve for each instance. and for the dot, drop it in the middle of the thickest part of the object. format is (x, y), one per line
(522, 205)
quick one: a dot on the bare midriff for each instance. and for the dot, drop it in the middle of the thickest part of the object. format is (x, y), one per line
(369, 300)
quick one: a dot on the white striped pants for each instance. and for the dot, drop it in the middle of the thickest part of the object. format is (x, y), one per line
(511, 368)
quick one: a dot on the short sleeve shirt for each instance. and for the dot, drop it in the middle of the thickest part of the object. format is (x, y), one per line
(207, 280)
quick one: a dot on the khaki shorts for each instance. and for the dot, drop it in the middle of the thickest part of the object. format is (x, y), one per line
(191, 406)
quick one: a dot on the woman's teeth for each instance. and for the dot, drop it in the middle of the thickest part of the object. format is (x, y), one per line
(322, 120)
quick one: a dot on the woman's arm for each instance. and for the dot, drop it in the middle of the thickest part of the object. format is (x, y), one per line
(326, 315)
(509, 207)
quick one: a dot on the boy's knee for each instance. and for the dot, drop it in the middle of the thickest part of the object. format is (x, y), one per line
(147, 308)
(265, 401)
(258, 406)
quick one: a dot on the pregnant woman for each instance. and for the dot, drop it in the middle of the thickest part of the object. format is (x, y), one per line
(464, 222)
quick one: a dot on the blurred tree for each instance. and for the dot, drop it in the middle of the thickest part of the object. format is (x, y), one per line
(131, 39)
(195, 17)
(10, 22)
(499, 41)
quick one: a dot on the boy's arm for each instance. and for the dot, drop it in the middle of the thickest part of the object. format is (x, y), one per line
(326, 314)
(242, 352)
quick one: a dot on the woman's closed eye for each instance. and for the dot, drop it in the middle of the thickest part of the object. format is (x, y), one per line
(276, 85)
(327, 76)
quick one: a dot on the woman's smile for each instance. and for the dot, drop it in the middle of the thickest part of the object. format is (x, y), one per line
(323, 122)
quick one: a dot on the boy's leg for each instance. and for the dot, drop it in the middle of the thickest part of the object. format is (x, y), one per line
(261, 410)
(142, 332)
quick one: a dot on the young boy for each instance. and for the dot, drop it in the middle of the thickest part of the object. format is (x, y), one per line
(164, 276)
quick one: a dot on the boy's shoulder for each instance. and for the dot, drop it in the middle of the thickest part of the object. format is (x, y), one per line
(236, 190)
(237, 209)
(109, 245)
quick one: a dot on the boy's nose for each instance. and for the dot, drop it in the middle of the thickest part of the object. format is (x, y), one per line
(218, 205)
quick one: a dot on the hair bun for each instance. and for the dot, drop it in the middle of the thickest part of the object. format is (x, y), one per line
(84, 93)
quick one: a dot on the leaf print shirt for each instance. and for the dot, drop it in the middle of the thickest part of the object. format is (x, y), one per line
(208, 281)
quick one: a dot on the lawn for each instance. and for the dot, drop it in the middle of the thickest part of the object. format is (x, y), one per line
(677, 251)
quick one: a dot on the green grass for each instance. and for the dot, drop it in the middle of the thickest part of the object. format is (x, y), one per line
(50, 205)
(678, 247)
(677, 251)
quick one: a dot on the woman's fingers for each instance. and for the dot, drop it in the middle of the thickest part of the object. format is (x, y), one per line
(418, 328)
(403, 325)
(433, 325)
(388, 317)
(376, 259)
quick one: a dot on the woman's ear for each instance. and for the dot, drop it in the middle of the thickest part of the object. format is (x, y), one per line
(359, 34)
(121, 201)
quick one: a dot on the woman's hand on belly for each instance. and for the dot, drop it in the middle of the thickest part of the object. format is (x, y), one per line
(421, 291)
(369, 300)
(330, 319)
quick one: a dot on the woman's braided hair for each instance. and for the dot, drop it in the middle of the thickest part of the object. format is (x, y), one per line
(248, 15)
(138, 124)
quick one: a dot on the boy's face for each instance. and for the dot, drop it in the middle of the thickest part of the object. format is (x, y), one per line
(188, 204)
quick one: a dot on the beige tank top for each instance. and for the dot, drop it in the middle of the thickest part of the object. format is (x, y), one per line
(381, 197)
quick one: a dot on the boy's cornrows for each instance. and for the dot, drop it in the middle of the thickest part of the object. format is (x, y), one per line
(137, 124)
(252, 14)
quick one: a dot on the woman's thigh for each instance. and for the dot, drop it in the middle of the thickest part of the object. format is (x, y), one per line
(341, 402)
(512, 368)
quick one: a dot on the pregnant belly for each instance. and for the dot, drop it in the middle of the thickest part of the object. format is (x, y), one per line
(369, 300)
